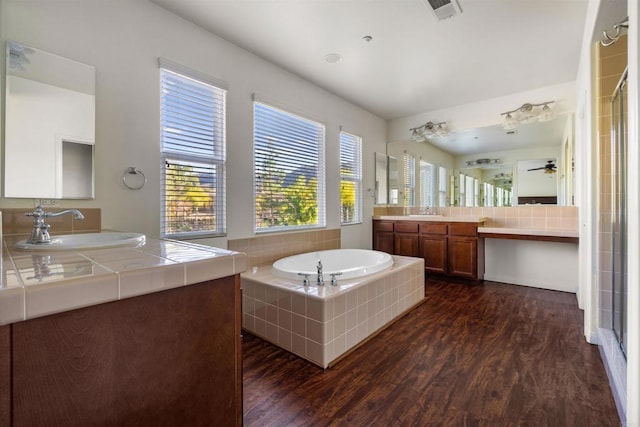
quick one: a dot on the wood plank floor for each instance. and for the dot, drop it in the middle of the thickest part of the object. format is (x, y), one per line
(472, 355)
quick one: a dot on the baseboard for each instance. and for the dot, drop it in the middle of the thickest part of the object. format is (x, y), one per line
(616, 367)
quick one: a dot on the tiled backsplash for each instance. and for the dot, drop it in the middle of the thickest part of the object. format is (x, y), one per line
(542, 217)
(14, 221)
(269, 248)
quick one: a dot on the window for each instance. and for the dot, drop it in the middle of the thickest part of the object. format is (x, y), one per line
(409, 179)
(427, 184)
(469, 191)
(489, 194)
(192, 119)
(350, 178)
(461, 189)
(442, 186)
(288, 156)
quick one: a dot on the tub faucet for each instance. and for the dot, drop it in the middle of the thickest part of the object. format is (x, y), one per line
(40, 230)
(320, 281)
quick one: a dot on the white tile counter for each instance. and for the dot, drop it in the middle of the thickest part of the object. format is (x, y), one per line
(35, 284)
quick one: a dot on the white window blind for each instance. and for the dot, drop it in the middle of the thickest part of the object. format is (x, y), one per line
(469, 191)
(409, 179)
(192, 119)
(350, 178)
(288, 170)
(427, 184)
(442, 186)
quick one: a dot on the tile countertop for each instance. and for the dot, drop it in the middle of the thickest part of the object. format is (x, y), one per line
(529, 231)
(435, 218)
(35, 284)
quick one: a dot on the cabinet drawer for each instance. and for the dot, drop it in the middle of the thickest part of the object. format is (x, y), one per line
(382, 225)
(429, 228)
(463, 229)
(406, 227)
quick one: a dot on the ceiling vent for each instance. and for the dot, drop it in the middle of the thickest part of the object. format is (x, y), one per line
(444, 9)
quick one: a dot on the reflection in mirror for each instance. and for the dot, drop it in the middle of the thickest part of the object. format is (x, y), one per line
(394, 180)
(49, 125)
(381, 179)
(489, 185)
(537, 182)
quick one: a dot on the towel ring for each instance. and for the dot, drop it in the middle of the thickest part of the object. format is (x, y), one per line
(132, 170)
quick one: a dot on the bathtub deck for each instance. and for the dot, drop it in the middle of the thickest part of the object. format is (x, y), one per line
(321, 324)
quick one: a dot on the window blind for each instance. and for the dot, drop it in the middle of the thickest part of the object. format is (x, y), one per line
(427, 184)
(409, 179)
(289, 169)
(350, 178)
(442, 186)
(192, 119)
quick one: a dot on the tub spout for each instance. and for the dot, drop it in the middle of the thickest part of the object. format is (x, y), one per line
(320, 281)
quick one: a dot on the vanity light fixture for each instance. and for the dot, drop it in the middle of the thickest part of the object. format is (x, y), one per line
(528, 113)
(482, 162)
(429, 130)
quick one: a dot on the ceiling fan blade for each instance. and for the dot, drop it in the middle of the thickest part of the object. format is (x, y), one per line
(536, 169)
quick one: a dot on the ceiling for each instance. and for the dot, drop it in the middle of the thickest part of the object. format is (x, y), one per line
(414, 63)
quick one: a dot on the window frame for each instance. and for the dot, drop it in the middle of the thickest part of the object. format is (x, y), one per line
(291, 114)
(355, 178)
(216, 160)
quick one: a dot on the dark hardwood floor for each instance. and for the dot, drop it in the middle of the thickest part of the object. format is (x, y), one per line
(486, 355)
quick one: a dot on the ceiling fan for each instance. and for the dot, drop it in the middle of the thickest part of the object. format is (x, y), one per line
(550, 167)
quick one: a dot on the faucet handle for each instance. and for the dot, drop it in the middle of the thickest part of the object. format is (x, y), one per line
(38, 212)
(334, 281)
(305, 280)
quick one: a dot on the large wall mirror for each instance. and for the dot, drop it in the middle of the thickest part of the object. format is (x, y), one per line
(49, 125)
(491, 166)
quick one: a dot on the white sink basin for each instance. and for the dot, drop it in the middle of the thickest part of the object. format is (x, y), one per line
(425, 215)
(108, 239)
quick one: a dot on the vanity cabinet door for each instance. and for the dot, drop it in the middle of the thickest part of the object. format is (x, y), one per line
(407, 245)
(5, 375)
(407, 240)
(433, 248)
(463, 257)
(383, 236)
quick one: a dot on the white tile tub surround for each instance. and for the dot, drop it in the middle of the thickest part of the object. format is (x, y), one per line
(322, 323)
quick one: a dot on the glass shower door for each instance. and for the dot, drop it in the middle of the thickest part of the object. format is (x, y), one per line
(619, 211)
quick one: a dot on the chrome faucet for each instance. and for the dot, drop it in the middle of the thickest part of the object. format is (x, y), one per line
(40, 230)
(320, 281)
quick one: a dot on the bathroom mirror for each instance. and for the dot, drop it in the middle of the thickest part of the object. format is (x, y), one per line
(387, 183)
(538, 181)
(490, 185)
(49, 125)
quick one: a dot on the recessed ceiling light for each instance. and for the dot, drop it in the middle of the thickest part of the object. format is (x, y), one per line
(367, 38)
(332, 58)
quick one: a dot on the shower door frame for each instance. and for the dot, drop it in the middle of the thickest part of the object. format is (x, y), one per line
(619, 213)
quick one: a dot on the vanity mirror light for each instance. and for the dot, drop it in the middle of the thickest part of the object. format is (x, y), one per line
(49, 125)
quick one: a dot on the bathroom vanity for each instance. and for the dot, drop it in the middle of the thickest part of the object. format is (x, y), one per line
(146, 335)
(450, 246)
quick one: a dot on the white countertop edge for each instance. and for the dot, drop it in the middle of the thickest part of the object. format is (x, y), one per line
(433, 218)
(529, 231)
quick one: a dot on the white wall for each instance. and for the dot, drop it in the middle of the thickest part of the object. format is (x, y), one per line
(123, 40)
(486, 112)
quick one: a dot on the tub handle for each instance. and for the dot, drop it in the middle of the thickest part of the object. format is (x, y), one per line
(305, 278)
(334, 281)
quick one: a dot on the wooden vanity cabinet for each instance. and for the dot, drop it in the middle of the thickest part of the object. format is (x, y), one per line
(383, 236)
(448, 248)
(168, 358)
(433, 247)
(406, 241)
